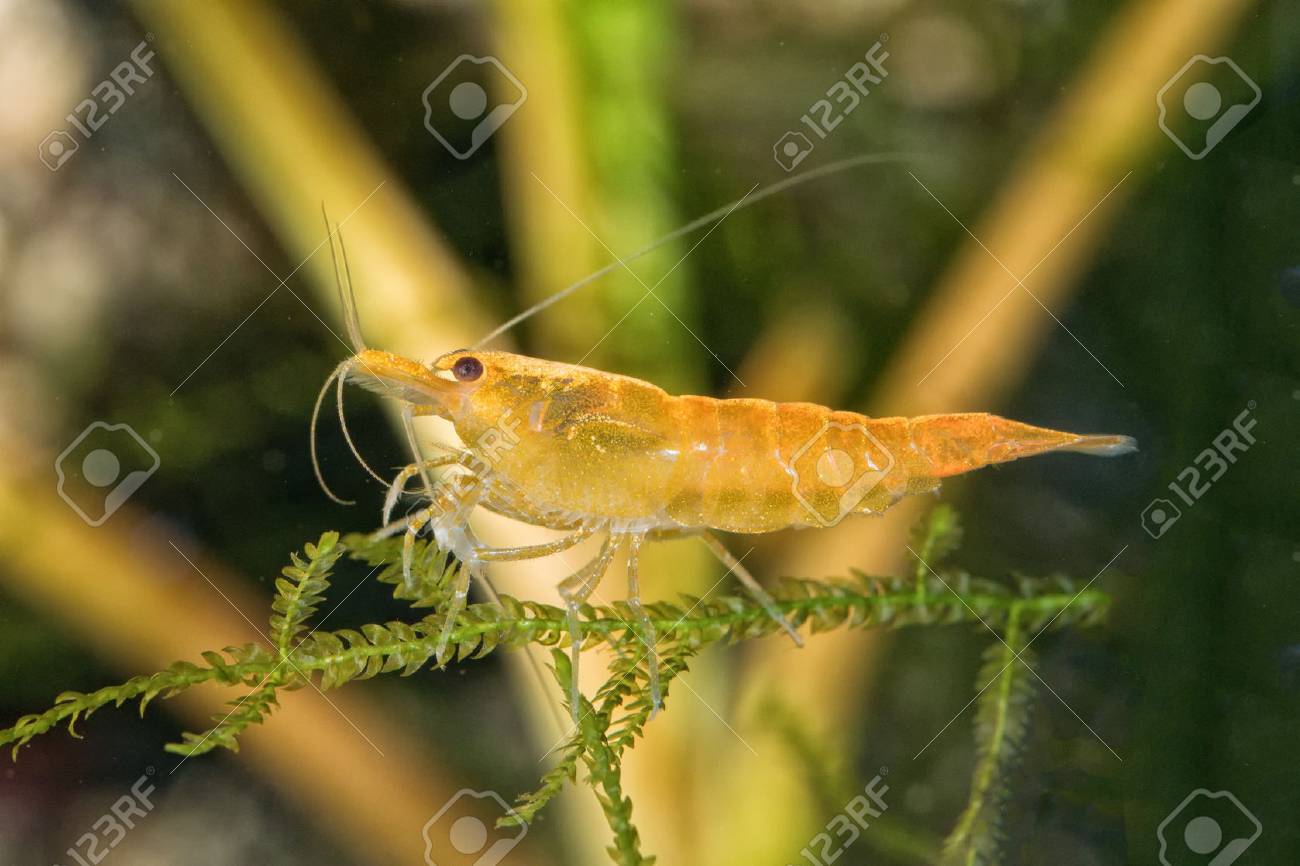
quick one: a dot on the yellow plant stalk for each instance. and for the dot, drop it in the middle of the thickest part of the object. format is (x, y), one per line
(557, 174)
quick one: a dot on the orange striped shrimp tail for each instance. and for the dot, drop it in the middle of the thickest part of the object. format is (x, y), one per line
(946, 445)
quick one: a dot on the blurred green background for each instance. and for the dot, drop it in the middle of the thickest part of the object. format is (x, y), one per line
(1164, 300)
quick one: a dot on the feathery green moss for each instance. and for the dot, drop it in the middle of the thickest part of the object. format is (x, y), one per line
(611, 721)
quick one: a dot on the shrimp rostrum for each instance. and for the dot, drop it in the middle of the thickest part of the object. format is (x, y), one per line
(588, 452)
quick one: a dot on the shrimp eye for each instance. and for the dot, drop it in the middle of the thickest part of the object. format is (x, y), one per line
(467, 369)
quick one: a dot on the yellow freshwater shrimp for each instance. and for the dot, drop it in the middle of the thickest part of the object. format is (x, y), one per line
(588, 452)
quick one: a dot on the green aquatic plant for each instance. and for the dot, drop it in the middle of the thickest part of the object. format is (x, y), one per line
(610, 722)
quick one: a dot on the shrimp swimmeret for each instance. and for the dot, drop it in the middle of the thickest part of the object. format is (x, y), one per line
(588, 452)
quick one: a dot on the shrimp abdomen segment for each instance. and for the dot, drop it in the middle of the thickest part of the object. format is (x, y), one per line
(757, 466)
(940, 446)
(733, 472)
(926, 449)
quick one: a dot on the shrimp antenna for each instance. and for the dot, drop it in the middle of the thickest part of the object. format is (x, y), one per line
(347, 437)
(348, 303)
(699, 223)
(338, 373)
(348, 299)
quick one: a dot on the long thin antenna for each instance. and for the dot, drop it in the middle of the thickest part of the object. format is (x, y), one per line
(348, 304)
(348, 299)
(353, 315)
(699, 223)
(315, 418)
(347, 435)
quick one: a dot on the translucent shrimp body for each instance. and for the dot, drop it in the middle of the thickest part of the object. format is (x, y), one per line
(565, 446)
(584, 451)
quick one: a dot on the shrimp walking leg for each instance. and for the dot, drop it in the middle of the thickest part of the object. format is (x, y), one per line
(460, 593)
(398, 485)
(448, 515)
(575, 590)
(452, 532)
(534, 551)
(736, 567)
(648, 635)
(414, 525)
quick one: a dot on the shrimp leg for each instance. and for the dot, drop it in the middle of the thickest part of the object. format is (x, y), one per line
(457, 604)
(448, 518)
(534, 551)
(398, 485)
(420, 519)
(648, 635)
(575, 590)
(414, 525)
(742, 574)
(437, 511)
